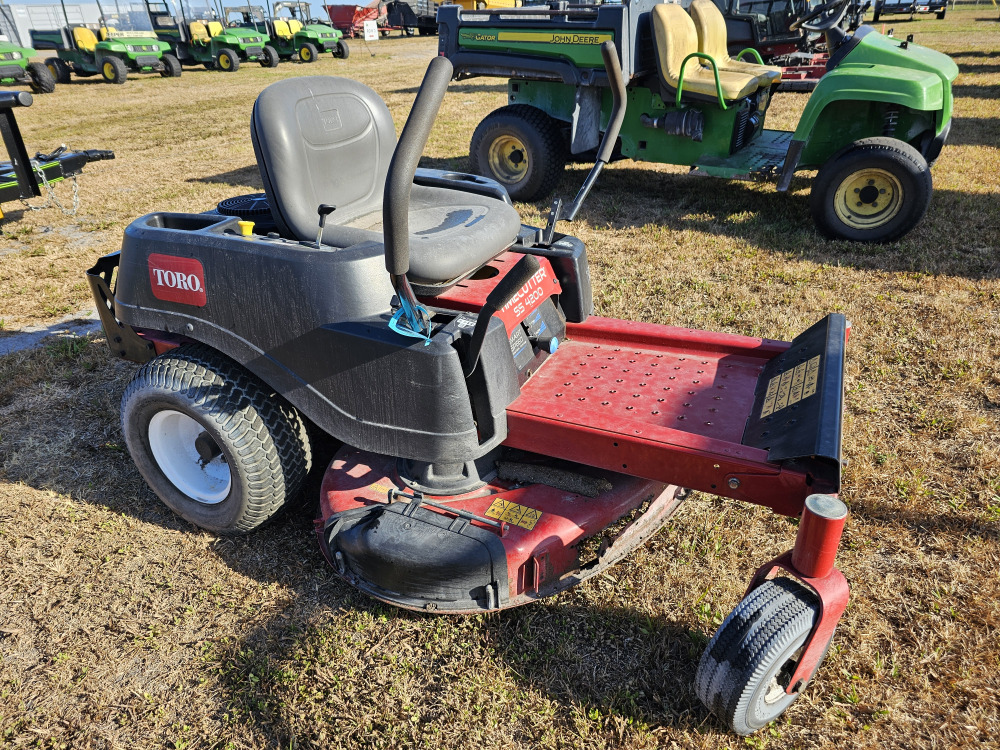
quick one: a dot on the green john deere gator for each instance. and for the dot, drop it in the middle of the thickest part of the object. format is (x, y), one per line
(125, 42)
(197, 37)
(872, 128)
(295, 35)
(16, 67)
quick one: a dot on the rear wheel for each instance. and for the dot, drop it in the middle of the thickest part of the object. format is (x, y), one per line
(171, 67)
(59, 69)
(875, 190)
(746, 667)
(227, 61)
(216, 445)
(41, 79)
(520, 147)
(342, 51)
(941, 14)
(269, 58)
(113, 70)
(308, 53)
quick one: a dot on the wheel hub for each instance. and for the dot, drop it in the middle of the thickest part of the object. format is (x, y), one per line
(508, 158)
(868, 198)
(188, 456)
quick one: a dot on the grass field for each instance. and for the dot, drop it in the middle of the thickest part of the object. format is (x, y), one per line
(122, 626)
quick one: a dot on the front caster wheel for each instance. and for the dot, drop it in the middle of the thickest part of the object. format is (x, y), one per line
(747, 665)
(875, 190)
(215, 444)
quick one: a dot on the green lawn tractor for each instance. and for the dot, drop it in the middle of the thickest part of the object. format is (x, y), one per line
(125, 42)
(873, 126)
(198, 38)
(291, 37)
(15, 67)
(22, 177)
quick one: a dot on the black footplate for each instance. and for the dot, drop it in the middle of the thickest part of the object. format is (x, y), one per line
(798, 404)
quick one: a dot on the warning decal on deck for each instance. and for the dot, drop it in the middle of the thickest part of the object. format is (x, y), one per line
(791, 386)
(512, 513)
(380, 489)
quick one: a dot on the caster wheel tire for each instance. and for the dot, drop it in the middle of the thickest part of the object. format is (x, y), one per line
(875, 190)
(40, 78)
(747, 665)
(215, 444)
(171, 67)
(227, 61)
(520, 147)
(59, 69)
(114, 70)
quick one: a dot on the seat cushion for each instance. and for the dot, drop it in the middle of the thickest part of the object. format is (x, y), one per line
(712, 40)
(452, 233)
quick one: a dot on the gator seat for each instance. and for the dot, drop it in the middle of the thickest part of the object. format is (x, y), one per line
(294, 25)
(320, 139)
(675, 37)
(84, 39)
(281, 30)
(106, 31)
(214, 28)
(712, 40)
(199, 34)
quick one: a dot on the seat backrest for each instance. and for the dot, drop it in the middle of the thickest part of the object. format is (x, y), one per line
(281, 30)
(84, 39)
(320, 139)
(675, 38)
(198, 32)
(711, 27)
(294, 25)
(106, 31)
(214, 28)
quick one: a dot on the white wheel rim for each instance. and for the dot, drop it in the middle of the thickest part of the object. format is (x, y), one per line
(172, 437)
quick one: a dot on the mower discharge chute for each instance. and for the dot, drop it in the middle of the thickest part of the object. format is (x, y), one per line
(873, 126)
(499, 442)
(23, 177)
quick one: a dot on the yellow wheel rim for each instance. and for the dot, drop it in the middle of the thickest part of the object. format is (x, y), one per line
(224, 62)
(109, 71)
(304, 54)
(508, 158)
(868, 198)
(52, 70)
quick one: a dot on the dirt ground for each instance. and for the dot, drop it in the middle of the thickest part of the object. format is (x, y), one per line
(122, 626)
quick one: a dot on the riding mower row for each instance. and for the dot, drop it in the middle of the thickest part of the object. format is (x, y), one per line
(22, 177)
(873, 126)
(498, 441)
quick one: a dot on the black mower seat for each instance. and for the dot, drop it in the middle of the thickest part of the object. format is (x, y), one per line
(329, 140)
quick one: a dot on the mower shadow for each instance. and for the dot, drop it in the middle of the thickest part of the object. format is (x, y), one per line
(242, 177)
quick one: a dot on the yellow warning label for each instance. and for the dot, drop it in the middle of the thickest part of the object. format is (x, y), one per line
(512, 513)
(549, 37)
(791, 387)
(379, 488)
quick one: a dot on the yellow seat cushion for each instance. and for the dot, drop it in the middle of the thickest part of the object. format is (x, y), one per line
(294, 25)
(675, 38)
(281, 30)
(712, 40)
(214, 28)
(199, 33)
(105, 31)
(84, 39)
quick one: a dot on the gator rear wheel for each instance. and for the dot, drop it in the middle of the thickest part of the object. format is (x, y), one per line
(41, 78)
(308, 53)
(215, 444)
(59, 69)
(520, 147)
(227, 61)
(342, 50)
(269, 58)
(875, 190)
(113, 70)
(171, 67)
(747, 665)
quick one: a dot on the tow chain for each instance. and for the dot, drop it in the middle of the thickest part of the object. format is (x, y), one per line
(52, 199)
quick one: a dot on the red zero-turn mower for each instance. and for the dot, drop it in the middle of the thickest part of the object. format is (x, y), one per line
(492, 428)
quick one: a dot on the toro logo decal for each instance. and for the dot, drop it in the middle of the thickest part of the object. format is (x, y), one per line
(538, 289)
(176, 279)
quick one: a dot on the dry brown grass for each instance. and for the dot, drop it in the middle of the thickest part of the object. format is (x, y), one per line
(124, 627)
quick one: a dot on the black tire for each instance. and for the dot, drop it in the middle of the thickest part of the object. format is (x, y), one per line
(517, 135)
(941, 14)
(342, 51)
(409, 30)
(872, 170)
(171, 67)
(114, 70)
(269, 58)
(41, 79)
(308, 53)
(227, 61)
(252, 452)
(59, 69)
(746, 666)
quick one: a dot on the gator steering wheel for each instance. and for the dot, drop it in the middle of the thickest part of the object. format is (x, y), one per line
(830, 13)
